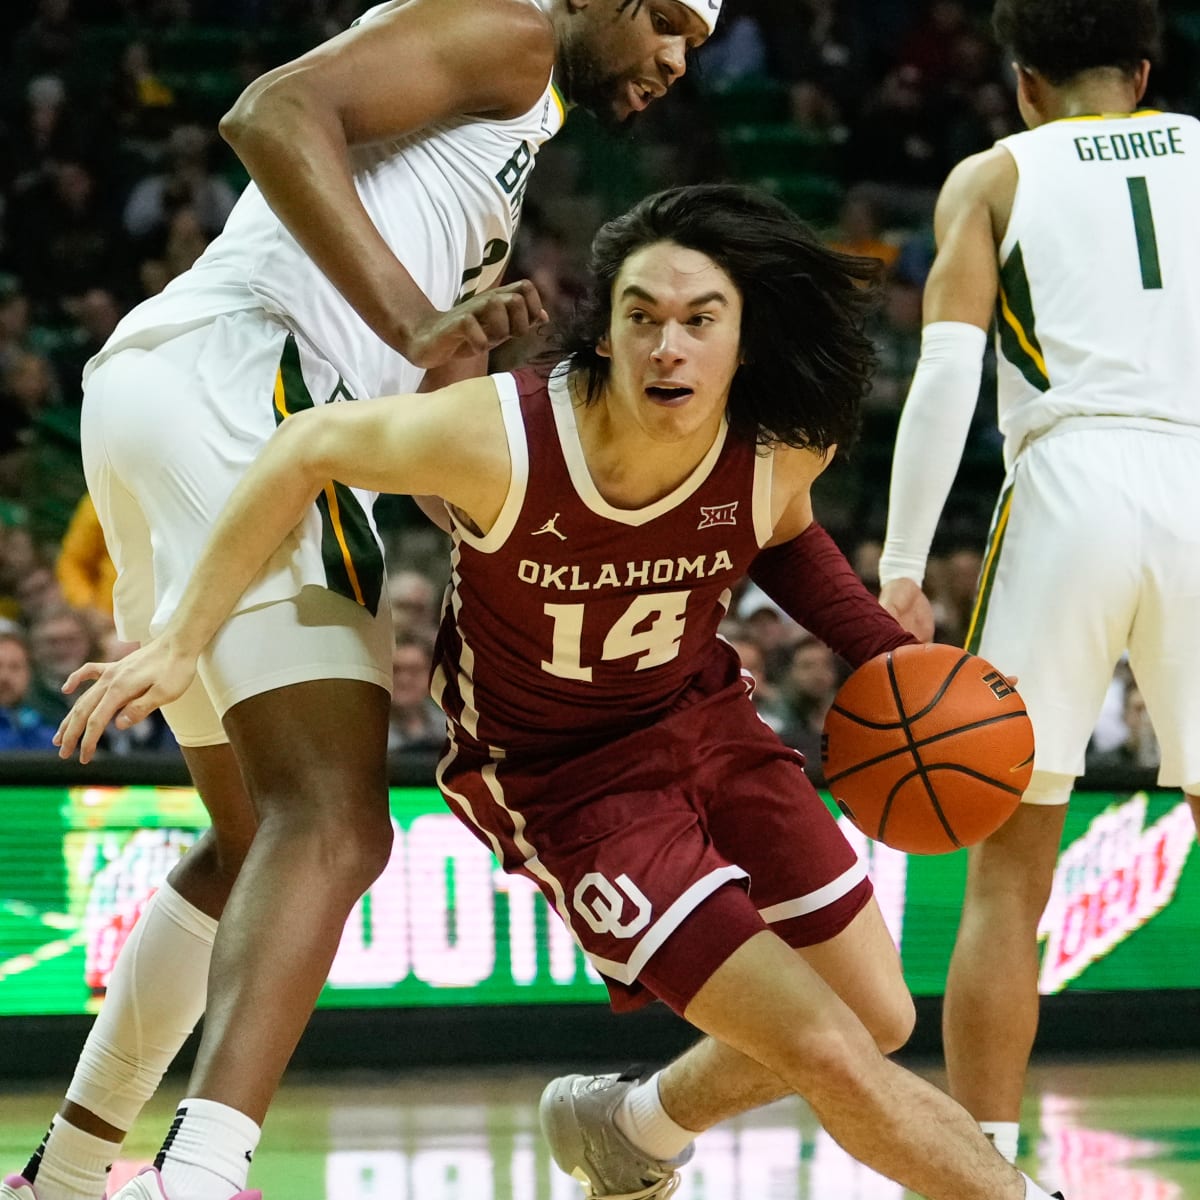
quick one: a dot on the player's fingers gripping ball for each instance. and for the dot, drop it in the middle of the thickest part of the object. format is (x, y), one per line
(927, 748)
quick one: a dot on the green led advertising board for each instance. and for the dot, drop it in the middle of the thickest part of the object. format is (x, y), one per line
(443, 925)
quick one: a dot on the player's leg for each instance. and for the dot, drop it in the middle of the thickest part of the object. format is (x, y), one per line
(766, 1002)
(314, 757)
(1055, 604)
(991, 1008)
(712, 1082)
(155, 995)
(311, 744)
(762, 813)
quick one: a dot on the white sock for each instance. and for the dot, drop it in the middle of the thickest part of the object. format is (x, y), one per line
(1004, 1135)
(156, 994)
(207, 1153)
(642, 1119)
(1033, 1192)
(71, 1164)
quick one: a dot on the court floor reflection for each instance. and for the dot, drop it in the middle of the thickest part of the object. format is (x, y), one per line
(1111, 1130)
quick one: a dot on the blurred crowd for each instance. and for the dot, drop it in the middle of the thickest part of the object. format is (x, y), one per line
(112, 182)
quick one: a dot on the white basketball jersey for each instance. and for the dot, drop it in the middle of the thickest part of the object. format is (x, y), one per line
(446, 200)
(1099, 311)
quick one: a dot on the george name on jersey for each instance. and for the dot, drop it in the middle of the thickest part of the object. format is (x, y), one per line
(1125, 147)
(571, 578)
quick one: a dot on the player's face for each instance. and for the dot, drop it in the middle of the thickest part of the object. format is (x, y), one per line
(674, 340)
(620, 55)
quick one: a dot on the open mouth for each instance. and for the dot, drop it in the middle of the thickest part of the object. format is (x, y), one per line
(639, 96)
(669, 393)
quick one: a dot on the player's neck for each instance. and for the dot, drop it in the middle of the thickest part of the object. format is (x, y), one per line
(1091, 96)
(630, 466)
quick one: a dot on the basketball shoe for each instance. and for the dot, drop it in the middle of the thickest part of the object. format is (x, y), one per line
(577, 1114)
(147, 1184)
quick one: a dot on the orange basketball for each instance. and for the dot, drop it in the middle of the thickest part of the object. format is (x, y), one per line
(927, 748)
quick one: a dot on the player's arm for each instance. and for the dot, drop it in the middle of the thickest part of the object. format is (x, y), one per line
(410, 444)
(804, 572)
(422, 62)
(960, 298)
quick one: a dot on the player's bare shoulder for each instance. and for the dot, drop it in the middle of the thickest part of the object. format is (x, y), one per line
(412, 63)
(508, 47)
(793, 472)
(987, 179)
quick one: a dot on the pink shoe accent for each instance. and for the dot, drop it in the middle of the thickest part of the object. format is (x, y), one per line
(255, 1195)
(17, 1181)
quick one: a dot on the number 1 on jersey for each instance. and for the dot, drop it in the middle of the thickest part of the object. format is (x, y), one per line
(657, 643)
(1143, 226)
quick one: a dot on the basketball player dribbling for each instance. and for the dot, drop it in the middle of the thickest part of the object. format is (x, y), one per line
(602, 740)
(389, 168)
(1080, 238)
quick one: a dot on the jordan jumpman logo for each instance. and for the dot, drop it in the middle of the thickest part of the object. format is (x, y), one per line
(549, 528)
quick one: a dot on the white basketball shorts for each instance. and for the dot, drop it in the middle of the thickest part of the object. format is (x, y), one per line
(167, 432)
(1095, 548)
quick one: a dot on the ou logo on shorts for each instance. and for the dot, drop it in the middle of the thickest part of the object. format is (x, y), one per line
(602, 906)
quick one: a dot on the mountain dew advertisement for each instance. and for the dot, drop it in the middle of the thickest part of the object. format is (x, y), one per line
(444, 926)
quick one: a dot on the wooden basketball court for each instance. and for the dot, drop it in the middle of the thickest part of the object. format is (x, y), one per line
(1117, 1129)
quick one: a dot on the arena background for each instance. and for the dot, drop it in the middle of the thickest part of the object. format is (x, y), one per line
(112, 181)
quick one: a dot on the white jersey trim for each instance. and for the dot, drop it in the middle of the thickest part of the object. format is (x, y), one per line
(815, 901)
(581, 478)
(764, 479)
(657, 934)
(518, 480)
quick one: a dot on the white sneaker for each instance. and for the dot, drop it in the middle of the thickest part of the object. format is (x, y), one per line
(147, 1184)
(577, 1118)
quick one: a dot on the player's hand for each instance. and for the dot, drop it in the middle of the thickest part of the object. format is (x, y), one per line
(128, 691)
(476, 326)
(910, 606)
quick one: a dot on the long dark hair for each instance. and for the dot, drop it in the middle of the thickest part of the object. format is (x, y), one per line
(1062, 38)
(807, 360)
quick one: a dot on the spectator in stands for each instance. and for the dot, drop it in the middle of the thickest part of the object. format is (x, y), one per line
(1138, 750)
(754, 663)
(952, 586)
(766, 622)
(85, 571)
(860, 231)
(895, 329)
(64, 240)
(22, 727)
(48, 43)
(186, 184)
(37, 593)
(897, 141)
(807, 690)
(414, 599)
(414, 722)
(735, 55)
(929, 44)
(142, 105)
(27, 388)
(45, 135)
(14, 319)
(60, 641)
(95, 315)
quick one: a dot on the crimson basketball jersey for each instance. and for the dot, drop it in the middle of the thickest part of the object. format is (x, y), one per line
(573, 621)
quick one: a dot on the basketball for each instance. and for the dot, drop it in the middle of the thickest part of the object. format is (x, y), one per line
(927, 749)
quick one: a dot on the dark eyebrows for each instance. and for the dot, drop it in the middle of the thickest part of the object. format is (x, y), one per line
(632, 290)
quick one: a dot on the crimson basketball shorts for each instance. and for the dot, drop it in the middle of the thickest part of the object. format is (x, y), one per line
(666, 850)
